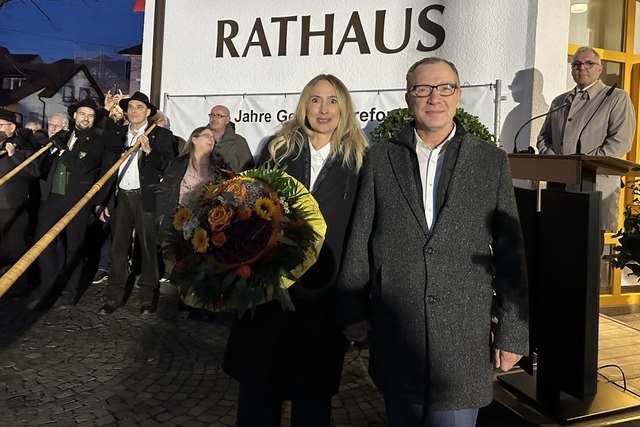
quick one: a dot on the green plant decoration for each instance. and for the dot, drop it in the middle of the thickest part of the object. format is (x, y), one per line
(627, 251)
(398, 119)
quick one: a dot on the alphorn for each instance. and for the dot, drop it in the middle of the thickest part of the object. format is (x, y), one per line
(24, 164)
(27, 259)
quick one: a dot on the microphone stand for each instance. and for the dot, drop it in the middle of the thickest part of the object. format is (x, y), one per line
(579, 142)
(530, 149)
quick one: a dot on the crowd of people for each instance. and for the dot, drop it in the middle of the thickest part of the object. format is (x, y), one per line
(423, 245)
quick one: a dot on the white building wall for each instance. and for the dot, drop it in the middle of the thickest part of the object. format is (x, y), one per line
(487, 40)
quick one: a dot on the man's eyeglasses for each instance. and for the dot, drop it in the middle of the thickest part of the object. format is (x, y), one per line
(586, 64)
(422, 91)
(216, 116)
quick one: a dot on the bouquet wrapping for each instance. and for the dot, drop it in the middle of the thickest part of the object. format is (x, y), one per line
(244, 241)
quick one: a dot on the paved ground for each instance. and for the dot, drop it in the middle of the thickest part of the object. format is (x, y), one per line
(74, 367)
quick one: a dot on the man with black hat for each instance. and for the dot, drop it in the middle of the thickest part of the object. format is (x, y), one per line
(68, 173)
(14, 193)
(130, 198)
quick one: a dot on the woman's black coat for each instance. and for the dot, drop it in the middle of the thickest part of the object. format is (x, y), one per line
(300, 354)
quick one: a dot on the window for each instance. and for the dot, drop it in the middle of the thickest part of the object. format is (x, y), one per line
(11, 83)
(598, 23)
(68, 94)
(84, 93)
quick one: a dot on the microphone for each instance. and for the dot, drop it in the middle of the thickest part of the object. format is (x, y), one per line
(579, 143)
(530, 149)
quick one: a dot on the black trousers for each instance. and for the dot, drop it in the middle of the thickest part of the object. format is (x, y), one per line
(260, 411)
(127, 216)
(56, 263)
(13, 227)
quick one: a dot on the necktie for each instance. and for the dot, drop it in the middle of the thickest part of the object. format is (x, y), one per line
(132, 136)
(583, 94)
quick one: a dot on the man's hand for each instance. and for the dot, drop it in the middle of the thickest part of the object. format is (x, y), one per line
(357, 332)
(111, 99)
(505, 360)
(60, 139)
(11, 148)
(144, 143)
(103, 213)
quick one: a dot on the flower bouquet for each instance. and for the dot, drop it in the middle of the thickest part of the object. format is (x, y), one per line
(244, 241)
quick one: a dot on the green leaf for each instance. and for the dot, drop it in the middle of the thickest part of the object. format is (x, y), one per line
(398, 119)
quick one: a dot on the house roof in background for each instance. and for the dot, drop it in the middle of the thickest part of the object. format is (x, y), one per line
(47, 78)
(132, 51)
(27, 58)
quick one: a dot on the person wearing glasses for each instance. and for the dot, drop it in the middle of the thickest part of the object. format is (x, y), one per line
(602, 118)
(57, 122)
(231, 146)
(435, 235)
(196, 165)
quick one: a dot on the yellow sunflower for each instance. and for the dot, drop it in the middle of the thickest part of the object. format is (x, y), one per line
(180, 217)
(200, 241)
(264, 208)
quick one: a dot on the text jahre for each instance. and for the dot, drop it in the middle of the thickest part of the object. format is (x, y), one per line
(252, 116)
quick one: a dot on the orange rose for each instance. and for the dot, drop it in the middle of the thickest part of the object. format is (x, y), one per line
(244, 271)
(220, 217)
(238, 189)
(219, 239)
(243, 212)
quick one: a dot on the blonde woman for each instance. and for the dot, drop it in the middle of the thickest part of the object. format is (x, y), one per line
(282, 355)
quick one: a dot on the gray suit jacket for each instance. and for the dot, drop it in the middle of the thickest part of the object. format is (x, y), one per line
(431, 294)
(609, 133)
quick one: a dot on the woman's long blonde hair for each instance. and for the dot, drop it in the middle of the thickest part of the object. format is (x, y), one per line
(347, 142)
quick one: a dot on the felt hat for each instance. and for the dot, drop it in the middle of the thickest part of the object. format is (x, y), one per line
(138, 96)
(87, 102)
(9, 116)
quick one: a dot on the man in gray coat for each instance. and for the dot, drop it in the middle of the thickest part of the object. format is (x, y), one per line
(435, 238)
(600, 117)
(231, 146)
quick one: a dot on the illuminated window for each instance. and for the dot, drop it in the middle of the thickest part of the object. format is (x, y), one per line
(598, 23)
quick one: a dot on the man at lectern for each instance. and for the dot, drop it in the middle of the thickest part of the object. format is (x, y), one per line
(599, 120)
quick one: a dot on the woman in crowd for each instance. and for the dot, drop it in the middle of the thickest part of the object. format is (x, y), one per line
(196, 165)
(298, 355)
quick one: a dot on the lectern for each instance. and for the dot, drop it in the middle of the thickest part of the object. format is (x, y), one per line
(563, 245)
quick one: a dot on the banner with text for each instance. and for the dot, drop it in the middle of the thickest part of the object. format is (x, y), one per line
(258, 116)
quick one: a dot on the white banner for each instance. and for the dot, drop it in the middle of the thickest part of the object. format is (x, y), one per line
(258, 116)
